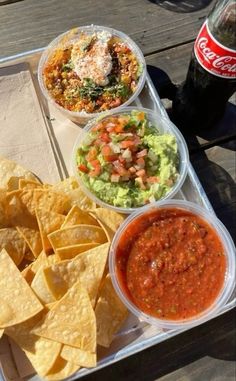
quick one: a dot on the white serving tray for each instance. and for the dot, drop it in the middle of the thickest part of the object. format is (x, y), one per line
(135, 335)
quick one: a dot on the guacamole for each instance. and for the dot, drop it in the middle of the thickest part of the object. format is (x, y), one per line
(125, 161)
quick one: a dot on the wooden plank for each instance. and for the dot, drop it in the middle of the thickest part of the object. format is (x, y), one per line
(216, 171)
(172, 63)
(32, 24)
(172, 358)
(6, 2)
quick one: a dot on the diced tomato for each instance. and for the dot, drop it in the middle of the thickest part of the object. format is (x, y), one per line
(98, 143)
(120, 169)
(83, 168)
(108, 154)
(142, 153)
(111, 158)
(153, 179)
(95, 172)
(106, 150)
(95, 163)
(98, 127)
(141, 173)
(127, 144)
(141, 162)
(132, 170)
(92, 154)
(110, 129)
(97, 168)
(120, 125)
(137, 140)
(105, 137)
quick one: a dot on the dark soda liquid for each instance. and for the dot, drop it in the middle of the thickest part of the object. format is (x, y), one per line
(201, 100)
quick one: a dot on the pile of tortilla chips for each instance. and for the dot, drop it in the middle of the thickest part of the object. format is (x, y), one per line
(57, 302)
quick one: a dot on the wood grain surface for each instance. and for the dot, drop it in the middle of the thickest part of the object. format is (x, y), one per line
(31, 24)
(204, 353)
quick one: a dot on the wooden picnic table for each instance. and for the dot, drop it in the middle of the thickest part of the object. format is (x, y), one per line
(165, 30)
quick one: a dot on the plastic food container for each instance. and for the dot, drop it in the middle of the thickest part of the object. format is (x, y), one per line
(164, 126)
(82, 117)
(229, 249)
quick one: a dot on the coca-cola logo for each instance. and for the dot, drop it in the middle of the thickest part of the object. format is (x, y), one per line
(213, 57)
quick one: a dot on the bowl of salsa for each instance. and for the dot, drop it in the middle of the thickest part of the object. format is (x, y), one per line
(173, 264)
(124, 160)
(91, 69)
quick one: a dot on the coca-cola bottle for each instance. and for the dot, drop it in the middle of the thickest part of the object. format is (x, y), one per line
(211, 79)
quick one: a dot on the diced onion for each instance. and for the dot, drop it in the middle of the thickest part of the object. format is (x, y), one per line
(127, 154)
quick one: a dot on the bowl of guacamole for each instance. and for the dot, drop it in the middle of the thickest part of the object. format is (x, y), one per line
(125, 160)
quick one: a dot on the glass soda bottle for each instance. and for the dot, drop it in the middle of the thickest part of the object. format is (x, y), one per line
(201, 100)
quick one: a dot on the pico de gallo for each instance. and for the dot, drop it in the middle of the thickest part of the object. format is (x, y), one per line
(171, 264)
(92, 73)
(126, 162)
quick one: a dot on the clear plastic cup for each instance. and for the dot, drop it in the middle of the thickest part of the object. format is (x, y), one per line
(82, 117)
(164, 126)
(229, 249)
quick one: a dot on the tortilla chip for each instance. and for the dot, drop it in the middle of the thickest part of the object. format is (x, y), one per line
(28, 274)
(48, 222)
(17, 212)
(41, 352)
(75, 235)
(44, 199)
(32, 238)
(17, 301)
(40, 261)
(1, 332)
(13, 183)
(61, 369)
(108, 220)
(66, 185)
(70, 252)
(14, 244)
(10, 169)
(52, 259)
(110, 313)
(77, 356)
(77, 216)
(88, 268)
(29, 184)
(3, 202)
(72, 320)
(40, 287)
(78, 197)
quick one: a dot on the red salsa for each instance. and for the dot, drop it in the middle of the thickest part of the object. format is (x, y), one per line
(171, 264)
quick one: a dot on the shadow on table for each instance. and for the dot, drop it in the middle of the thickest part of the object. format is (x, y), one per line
(215, 339)
(219, 187)
(182, 6)
(216, 181)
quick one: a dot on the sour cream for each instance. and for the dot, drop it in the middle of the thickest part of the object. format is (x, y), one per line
(96, 63)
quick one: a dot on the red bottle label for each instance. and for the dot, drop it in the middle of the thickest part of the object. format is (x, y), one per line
(213, 56)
